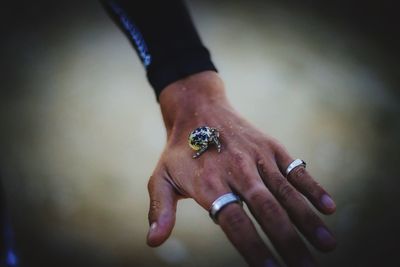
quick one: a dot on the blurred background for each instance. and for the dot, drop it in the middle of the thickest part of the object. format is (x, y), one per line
(81, 130)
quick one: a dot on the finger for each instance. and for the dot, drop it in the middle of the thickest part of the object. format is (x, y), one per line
(234, 222)
(302, 180)
(276, 224)
(243, 235)
(297, 207)
(162, 210)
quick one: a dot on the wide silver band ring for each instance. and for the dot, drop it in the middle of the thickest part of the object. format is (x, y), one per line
(295, 163)
(222, 202)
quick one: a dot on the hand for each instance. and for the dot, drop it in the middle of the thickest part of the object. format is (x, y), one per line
(251, 164)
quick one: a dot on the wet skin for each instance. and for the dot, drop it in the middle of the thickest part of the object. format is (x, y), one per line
(250, 164)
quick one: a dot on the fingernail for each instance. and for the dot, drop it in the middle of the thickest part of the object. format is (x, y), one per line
(328, 202)
(270, 263)
(324, 236)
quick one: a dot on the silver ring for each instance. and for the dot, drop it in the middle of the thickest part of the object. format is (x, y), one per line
(295, 163)
(221, 202)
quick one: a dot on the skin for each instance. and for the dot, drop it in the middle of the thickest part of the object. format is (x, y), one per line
(251, 164)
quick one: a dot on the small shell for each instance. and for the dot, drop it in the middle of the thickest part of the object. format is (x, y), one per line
(200, 137)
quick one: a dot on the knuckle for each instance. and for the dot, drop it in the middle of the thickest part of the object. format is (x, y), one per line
(206, 187)
(262, 166)
(209, 177)
(257, 195)
(154, 208)
(275, 144)
(236, 218)
(271, 208)
(208, 183)
(286, 191)
(248, 182)
(209, 170)
(239, 160)
(265, 205)
(300, 177)
(277, 180)
(313, 188)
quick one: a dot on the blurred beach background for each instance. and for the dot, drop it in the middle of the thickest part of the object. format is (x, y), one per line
(81, 129)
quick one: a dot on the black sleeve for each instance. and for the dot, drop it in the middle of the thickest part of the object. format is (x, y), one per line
(164, 37)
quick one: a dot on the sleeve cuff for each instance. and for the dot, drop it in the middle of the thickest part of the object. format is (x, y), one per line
(178, 67)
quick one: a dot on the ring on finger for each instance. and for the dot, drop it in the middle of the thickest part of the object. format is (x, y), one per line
(295, 163)
(222, 202)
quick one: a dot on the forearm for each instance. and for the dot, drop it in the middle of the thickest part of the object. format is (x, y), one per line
(164, 37)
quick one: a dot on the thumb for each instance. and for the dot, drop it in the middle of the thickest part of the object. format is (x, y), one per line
(162, 211)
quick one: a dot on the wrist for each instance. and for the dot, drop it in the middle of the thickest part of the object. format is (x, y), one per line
(191, 100)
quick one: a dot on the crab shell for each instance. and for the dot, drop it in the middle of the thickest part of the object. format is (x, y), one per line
(200, 137)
